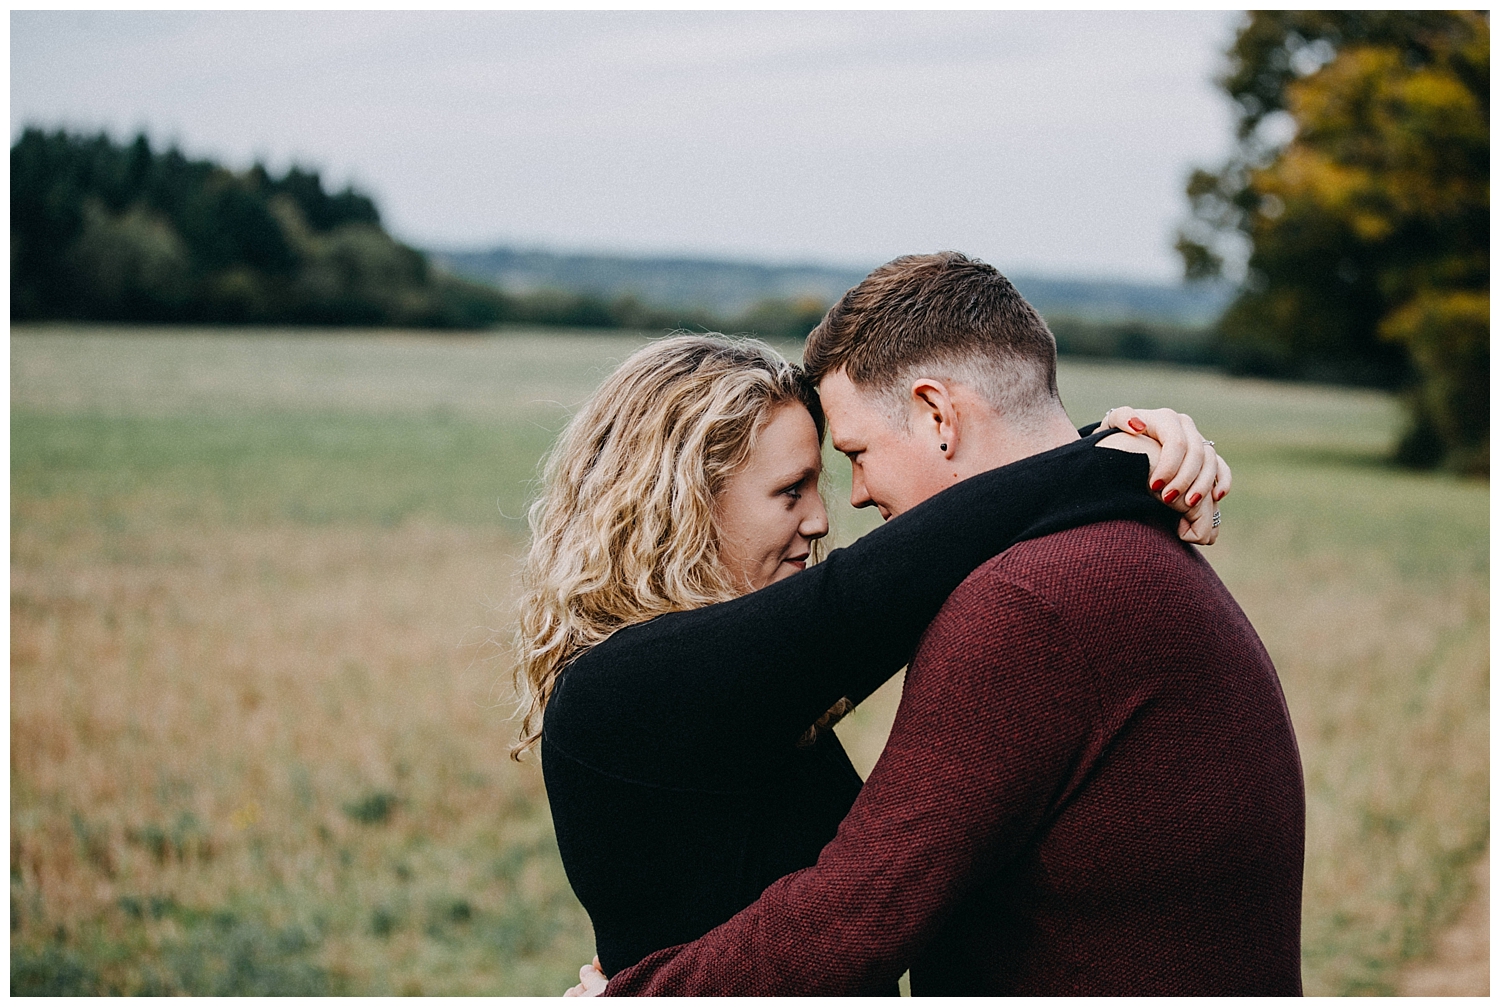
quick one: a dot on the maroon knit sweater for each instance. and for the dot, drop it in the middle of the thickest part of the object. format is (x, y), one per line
(1091, 787)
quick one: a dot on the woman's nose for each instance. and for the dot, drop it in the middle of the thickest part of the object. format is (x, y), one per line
(815, 524)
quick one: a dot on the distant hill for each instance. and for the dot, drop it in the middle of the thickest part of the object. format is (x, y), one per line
(731, 288)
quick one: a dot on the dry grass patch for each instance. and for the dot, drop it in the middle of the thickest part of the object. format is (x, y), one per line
(299, 727)
(1460, 963)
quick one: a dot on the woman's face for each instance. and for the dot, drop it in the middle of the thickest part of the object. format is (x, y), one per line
(769, 513)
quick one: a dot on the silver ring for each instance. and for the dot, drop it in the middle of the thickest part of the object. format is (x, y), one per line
(1216, 519)
(1208, 444)
(1105, 422)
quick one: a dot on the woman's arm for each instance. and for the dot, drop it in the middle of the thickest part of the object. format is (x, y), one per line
(717, 689)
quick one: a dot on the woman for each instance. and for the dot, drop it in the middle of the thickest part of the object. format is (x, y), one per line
(683, 661)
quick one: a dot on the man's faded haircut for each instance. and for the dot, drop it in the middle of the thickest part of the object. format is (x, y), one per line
(943, 316)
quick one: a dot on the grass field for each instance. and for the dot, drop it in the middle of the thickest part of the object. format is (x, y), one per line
(259, 717)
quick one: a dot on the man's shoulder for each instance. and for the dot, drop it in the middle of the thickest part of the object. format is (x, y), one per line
(1048, 595)
(1081, 566)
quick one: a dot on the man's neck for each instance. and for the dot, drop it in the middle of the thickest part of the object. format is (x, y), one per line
(995, 442)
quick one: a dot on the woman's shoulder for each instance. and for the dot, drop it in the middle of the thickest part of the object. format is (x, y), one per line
(639, 705)
(584, 720)
(645, 664)
(609, 690)
(582, 691)
(615, 726)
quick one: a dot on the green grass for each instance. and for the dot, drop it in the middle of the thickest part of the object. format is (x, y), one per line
(259, 728)
(307, 469)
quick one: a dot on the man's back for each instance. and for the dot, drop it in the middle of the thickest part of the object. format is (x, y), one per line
(1166, 854)
(1091, 787)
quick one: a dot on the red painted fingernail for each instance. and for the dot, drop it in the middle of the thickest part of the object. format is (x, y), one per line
(1193, 500)
(1156, 486)
(1218, 494)
(1137, 425)
(1171, 495)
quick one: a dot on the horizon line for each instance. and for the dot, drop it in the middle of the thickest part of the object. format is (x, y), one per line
(771, 262)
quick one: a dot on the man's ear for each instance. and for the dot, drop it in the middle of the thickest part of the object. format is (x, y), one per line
(933, 415)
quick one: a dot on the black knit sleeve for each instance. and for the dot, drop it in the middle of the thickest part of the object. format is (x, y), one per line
(694, 693)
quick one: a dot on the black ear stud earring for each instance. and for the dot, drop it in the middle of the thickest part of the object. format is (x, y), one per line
(943, 446)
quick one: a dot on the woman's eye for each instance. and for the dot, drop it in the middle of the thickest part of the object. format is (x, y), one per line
(793, 492)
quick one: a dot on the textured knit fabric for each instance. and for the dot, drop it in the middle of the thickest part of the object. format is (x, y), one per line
(677, 787)
(1091, 787)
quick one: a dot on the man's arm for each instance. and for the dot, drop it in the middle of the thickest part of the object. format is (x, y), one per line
(995, 711)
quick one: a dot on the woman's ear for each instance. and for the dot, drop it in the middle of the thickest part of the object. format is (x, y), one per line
(934, 416)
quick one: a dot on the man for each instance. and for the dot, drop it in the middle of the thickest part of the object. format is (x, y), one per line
(1091, 786)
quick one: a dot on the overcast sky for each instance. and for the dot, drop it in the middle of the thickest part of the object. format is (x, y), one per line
(1051, 143)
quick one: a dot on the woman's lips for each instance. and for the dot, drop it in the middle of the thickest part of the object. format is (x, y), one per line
(800, 562)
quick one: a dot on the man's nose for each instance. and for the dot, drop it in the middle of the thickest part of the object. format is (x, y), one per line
(858, 495)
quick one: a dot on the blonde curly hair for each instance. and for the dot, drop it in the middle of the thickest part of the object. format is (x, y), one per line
(624, 529)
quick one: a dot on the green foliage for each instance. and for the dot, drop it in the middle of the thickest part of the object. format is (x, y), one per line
(225, 955)
(374, 808)
(1362, 185)
(218, 953)
(1142, 340)
(182, 841)
(772, 317)
(125, 233)
(52, 970)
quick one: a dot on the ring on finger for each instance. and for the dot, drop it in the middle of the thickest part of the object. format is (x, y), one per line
(1216, 519)
(1207, 444)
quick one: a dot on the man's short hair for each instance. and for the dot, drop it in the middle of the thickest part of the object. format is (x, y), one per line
(943, 316)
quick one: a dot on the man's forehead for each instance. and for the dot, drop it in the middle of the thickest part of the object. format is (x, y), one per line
(836, 389)
(847, 408)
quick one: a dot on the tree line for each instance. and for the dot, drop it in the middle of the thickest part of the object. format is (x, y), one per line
(122, 232)
(103, 231)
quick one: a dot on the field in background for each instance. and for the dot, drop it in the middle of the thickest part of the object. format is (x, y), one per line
(259, 720)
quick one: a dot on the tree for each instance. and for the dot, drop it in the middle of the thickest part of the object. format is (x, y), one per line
(113, 232)
(1361, 185)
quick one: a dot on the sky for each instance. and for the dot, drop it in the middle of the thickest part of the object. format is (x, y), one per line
(1046, 143)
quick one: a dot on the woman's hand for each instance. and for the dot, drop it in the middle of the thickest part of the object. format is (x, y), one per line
(591, 981)
(1186, 472)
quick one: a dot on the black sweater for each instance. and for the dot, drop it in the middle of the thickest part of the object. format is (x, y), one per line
(677, 787)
